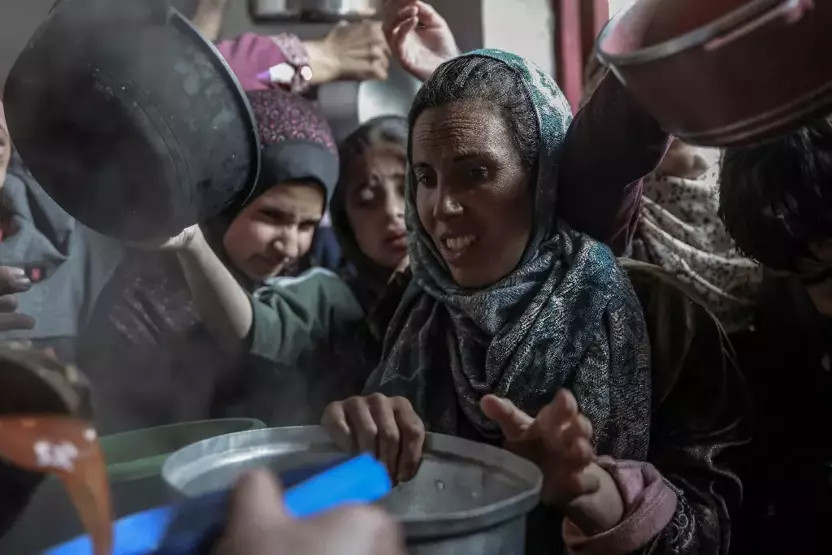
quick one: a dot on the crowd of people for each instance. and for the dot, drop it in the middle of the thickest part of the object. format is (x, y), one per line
(646, 320)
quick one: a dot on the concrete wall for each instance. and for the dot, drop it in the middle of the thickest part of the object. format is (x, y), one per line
(525, 27)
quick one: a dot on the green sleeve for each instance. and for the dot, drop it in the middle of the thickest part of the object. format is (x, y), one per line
(294, 316)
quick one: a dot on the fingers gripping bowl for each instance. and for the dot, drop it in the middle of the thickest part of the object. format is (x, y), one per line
(466, 498)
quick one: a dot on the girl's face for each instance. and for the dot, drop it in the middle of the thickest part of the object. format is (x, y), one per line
(375, 205)
(275, 230)
(474, 194)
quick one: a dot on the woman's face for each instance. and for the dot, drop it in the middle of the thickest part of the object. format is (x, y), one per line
(275, 229)
(375, 205)
(474, 195)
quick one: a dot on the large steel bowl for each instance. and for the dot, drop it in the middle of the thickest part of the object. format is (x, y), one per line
(725, 72)
(466, 498)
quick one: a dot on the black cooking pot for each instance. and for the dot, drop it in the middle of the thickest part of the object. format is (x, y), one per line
(130, 119)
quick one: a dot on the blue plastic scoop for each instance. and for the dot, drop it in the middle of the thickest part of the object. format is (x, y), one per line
(194, 525)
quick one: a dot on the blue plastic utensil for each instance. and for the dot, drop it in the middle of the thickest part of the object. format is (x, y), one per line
(194, 525)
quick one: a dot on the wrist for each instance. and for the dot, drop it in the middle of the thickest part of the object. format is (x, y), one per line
(195, 246)
(322, 61)
(595, 513)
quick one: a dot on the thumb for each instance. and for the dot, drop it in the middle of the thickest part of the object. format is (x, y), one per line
(513, 422)
(256, 502)
(429, 17)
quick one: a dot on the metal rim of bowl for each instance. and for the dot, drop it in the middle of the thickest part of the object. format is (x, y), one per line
(416, 528)
(152, 464)
(185, 26)
(687, 41)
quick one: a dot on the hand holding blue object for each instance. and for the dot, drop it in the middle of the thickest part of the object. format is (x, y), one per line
(194, 525)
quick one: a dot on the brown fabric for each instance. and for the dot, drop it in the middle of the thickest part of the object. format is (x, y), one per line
(610, 146)
(700, 404)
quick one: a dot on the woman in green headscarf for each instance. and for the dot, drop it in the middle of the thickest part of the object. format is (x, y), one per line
(518, 329)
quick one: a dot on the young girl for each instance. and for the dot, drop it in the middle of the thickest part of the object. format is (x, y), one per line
(147, 355)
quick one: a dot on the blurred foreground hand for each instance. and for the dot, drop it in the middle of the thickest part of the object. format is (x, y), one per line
(258, 525)
(13, 281)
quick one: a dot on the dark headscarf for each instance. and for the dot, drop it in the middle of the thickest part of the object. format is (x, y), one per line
(367, 279)
(566, 316)
(296, 145)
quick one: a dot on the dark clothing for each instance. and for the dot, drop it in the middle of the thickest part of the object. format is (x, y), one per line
(148, 357)
(611, 145)
(787, 361)
(699, 416)
(68, 263)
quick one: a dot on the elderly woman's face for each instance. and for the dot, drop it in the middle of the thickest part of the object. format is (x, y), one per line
(474, 195)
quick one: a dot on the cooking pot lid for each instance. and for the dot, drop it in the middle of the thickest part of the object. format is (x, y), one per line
(461, 486)
(130, 119)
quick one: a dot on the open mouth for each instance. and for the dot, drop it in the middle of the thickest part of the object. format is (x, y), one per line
(454, 247)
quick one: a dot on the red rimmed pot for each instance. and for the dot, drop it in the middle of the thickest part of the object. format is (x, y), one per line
(725, 72)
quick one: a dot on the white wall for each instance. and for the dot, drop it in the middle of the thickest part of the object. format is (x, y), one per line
(525, 27)
(618, 5)
(18, 20)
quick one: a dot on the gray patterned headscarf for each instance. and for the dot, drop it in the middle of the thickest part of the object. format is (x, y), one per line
(567, 316)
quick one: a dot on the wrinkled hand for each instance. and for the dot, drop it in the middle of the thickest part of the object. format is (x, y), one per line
(418, 36)
(351, 52)
(258, 525)
(182, 241)
(387, 427)
(558, 441)
(13, 281)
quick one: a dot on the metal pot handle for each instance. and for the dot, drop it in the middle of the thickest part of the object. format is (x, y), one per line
(790, 12)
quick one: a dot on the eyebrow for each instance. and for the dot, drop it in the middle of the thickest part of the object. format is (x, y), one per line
(461, 157)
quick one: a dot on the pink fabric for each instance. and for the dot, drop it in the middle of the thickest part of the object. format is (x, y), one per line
(649, 504)
(250, 54)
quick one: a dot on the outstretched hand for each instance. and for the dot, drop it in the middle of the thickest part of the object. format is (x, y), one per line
(350, 52)
(418, 36)
(558, 441)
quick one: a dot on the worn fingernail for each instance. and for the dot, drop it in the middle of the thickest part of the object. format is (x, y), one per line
(17, 272)
(22, 283)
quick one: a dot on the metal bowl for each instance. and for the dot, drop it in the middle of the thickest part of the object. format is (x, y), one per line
(466, 498)
(313, 10)
(724, 72)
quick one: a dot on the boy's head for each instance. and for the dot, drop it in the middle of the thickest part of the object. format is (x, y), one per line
(776, 201)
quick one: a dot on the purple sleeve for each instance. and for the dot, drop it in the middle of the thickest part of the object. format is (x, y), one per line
(610, 146)
(649, 505)
(249, 55)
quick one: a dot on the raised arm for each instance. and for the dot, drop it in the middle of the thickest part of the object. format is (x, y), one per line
(610, 146)
(353, 52)
(223, 305)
